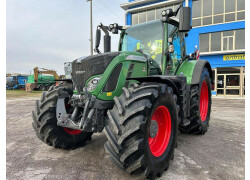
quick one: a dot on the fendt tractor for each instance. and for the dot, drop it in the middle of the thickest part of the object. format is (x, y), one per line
(141, 95)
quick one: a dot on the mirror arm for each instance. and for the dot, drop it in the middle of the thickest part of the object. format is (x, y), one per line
(177, 10)
(185, 57)
(97, 50)
(104, 28)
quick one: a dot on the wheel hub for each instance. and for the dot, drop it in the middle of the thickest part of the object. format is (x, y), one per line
(204, 99)
(72, 131)
(160, 131)
(153, 129)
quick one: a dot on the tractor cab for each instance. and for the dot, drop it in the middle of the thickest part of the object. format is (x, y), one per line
(161, 43)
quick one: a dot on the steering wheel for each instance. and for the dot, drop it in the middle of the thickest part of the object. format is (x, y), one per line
(149, 58)
(147, 55)
(140, 51)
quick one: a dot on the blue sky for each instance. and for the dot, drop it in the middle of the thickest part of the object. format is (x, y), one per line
(47, 33)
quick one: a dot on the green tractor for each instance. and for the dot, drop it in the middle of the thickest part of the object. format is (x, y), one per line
(141, 96)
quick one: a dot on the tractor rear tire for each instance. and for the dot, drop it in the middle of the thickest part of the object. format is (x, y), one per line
(200, 106)
(45, 124)
(133, 143)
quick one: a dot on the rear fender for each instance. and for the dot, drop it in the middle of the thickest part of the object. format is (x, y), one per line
(200, 65)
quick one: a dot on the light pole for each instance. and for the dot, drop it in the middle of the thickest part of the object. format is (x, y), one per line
(91, 28)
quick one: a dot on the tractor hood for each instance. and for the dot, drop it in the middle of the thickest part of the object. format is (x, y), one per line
(84, 68)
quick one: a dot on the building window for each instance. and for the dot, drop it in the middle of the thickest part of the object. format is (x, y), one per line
(229, 5)
(142, 17)
(207, 12)
(158, 13)
(228, 40)
(196, 9)
(216, 41)
(207, 8)
(134, 18)
(223, 41)
(150, 14)
(204, 43)
(240, 39)
(240, 5)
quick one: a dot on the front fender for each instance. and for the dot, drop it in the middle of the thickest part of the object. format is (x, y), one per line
(162, 79)
(192, 69)
(103, 90)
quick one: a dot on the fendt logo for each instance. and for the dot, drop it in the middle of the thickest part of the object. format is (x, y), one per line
(80, 72)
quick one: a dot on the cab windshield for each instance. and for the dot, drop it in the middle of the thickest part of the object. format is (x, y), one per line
(146, 38)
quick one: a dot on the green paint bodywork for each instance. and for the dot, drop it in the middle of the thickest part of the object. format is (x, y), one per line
(140, 69)
(137, 72)
(187, 68)
(164, 47)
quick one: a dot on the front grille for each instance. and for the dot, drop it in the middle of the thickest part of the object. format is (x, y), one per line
(83, 69)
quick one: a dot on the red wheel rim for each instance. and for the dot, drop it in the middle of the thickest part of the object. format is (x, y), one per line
(72, 131)
(204, 101)
(159, 143)
(68, 130)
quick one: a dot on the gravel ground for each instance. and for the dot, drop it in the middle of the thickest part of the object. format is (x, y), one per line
(219, 154)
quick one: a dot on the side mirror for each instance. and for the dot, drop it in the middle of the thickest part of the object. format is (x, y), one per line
(185, 19)
(97, 38)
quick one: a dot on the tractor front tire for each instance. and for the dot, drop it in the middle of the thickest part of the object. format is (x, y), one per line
(45, 124)
(142, 129)
(200, 106)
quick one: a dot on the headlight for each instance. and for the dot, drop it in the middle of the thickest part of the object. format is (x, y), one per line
(93, 83)
(111, 26)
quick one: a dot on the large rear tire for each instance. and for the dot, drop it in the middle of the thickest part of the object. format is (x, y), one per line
(142, 130)
(200, 104)
(45, 124)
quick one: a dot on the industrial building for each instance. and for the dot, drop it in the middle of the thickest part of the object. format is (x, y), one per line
(218, 32)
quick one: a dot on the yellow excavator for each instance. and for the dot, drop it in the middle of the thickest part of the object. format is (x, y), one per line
(39, 81)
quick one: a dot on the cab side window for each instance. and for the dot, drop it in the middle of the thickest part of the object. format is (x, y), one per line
(177, 47)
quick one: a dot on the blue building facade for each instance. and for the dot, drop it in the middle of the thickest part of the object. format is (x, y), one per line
(218, 32)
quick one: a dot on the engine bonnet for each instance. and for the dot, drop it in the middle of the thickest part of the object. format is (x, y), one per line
(84, 68)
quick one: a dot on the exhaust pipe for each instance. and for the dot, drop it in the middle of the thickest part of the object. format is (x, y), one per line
(107, 43)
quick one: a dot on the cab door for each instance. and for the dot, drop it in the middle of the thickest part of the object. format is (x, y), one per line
(178, 41)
